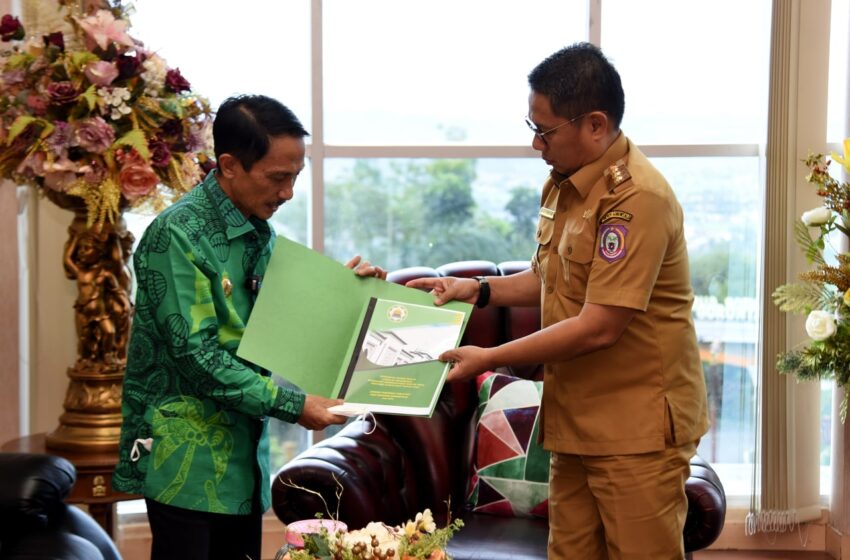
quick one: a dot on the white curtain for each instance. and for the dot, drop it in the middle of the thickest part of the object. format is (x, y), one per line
(786, 471)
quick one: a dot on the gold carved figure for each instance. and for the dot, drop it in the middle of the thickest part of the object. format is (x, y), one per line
(95, 257)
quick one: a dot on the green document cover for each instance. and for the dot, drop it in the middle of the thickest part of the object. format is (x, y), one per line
(308, 312)
(392, 365)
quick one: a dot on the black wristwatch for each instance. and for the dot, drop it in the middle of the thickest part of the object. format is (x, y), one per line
(483, 291)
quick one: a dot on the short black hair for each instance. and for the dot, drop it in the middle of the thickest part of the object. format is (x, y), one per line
(579, 79)
(244, 125)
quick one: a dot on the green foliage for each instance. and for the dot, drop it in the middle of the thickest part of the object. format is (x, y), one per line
(723, 269)
(523, 207)
(447, 191)
(823, 291)
(324, 546)
(708, 271)
(812, 248)
(20, 124)
(426, 543)
(802, 298)
(408, 213)
(824, 359)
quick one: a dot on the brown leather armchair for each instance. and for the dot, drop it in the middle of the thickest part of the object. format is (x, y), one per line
(401, 465)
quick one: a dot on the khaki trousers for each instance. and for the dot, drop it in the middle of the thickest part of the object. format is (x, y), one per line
(620, 507)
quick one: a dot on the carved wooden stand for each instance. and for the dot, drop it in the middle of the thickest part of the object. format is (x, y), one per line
(96, 257)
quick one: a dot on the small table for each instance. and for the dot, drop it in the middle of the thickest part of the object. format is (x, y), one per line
(94, 477)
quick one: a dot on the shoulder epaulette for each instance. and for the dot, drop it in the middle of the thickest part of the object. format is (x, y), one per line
(617, 174)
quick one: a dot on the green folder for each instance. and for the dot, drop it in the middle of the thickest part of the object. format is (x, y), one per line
(391, 365)
(308, 310)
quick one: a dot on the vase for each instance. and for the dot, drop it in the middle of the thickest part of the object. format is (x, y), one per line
(96, 257)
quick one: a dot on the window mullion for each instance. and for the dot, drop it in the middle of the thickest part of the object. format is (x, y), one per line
(316, 222)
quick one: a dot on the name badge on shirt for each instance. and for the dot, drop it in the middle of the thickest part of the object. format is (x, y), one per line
(547, 213)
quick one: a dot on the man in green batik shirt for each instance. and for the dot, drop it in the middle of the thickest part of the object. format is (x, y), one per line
(194, 440)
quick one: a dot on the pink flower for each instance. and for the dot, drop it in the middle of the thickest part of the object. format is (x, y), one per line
(55, 39)
(13, 77)
(175, 81)
(11, 29)
(94, 135)
(60, 139)
(94, 172)
(101, 73)
(32, 165)
(37, 104)
(160, 154)
(128, 66)
(62, 93)
(102, 29)
(59, 174)
(136, 178)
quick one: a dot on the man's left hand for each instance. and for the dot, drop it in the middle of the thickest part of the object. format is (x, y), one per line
(467, 362)
(364, 268)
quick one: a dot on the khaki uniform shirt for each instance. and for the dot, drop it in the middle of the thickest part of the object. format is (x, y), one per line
(612, 234)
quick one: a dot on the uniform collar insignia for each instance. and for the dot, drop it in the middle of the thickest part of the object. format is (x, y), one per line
(617, 174)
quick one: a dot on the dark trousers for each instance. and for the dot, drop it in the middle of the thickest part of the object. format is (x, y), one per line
(183, 534)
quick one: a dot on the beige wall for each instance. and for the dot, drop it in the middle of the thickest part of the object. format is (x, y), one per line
(50, 323)
(9, 373)
(53, 341)
(9, 301)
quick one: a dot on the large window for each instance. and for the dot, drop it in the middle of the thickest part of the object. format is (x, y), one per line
(419, 154)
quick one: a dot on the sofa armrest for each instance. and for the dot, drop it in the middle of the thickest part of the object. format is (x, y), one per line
(33, 486)
(706, 506)
(361, 471)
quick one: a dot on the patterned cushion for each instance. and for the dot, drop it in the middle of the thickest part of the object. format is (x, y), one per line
(510, 471)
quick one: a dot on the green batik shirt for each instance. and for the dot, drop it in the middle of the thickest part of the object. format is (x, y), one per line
(204, 409)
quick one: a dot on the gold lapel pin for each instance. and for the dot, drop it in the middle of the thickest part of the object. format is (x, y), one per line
(227, 286)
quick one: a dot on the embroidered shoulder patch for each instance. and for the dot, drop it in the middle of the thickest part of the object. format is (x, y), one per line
(612, 242)
(616, 215)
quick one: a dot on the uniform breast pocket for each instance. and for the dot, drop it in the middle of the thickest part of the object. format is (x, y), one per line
(575, 250)
(544, 230)
(545, 227)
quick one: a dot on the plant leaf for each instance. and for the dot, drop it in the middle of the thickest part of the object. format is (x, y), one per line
(811, 247)
(20, 124)
(81, 58)
(135, 139)
(801, 297)
(90, 97)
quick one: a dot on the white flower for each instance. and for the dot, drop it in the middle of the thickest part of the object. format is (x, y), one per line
(387, 536)
(425, 521)
(820, 325)
(409, 528)
(154, 74)
(816, 216)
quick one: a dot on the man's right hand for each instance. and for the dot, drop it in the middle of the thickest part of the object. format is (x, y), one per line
(315, 415)
(448, 288)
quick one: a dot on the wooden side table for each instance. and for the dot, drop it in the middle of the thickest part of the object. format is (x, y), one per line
(94, 477)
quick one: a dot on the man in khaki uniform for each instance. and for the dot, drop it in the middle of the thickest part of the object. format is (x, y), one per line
(624, 399)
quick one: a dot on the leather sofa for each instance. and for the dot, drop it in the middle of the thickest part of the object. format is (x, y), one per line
(396, 466)
(36, 522)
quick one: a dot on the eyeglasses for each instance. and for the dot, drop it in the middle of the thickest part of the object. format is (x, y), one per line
(542, 133)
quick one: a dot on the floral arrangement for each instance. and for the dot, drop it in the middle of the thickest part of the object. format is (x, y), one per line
(824, 292)
(86, 111)
(418, 539)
